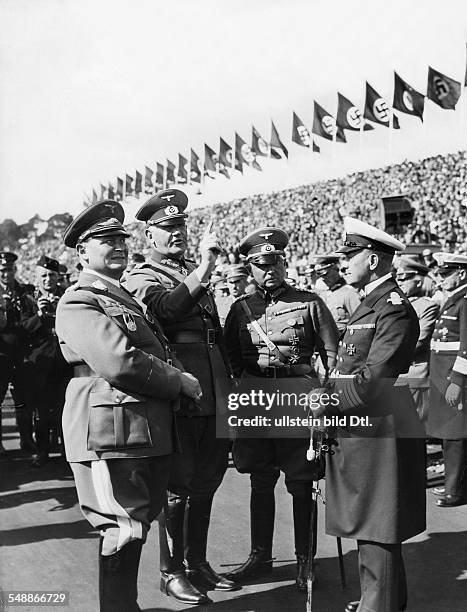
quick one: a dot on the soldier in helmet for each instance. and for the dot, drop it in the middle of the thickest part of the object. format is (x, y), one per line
(274, 332)
(175, 290)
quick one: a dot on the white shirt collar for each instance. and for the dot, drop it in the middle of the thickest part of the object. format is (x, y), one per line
(367, 289)
(104, 276)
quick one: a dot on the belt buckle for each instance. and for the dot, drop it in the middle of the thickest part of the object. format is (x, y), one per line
(211, 336)
(270, 372)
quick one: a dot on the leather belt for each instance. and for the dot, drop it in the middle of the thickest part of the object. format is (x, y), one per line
(208, 336)
(439, 345)
(84, 371)
(285, 371)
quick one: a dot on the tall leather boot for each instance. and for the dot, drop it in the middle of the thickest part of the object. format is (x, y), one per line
(262, 513)
(174, 581)
(118, 578)
(42, 430)
(302, 506)
(24, 423)
(197, 527)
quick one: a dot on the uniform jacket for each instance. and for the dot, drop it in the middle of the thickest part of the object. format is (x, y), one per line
(375, 481)
(171, 291)
(427, 312)
(17, 307)
(296, 321)
(124, 406)
(449, 363)
(342, 300)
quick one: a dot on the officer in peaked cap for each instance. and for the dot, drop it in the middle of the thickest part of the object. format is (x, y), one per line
(340, 298)
(410, 276)
(274, 333)
(237, 279)
(118, 421)
(447, 416)
(47, 372)
(16, 309)
(375, 486)
(175, 291)
(104, 218)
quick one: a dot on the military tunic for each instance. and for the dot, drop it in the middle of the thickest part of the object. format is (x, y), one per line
(375, 481)
(118, 419)
(449, 364)
(342, 300)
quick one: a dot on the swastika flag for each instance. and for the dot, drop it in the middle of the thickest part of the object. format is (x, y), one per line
(148, 174)
(324, 125)
(182, 174)
(159, 175)
(349, 116)
(225, 157)
(407, 99)
(300, 133)
(169, 173)
(210, 160)
(276, 144)
(377, 109)
(442, 90)
(195, 172)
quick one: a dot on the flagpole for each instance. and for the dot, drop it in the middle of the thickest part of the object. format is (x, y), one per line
(391, 123)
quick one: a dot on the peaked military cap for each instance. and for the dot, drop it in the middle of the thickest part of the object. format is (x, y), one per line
(451, 261)
(323, 262)
(216, 277)
(408, 266)
(49, 263)
(7, 258)
(236, 271)
(164, 208)
(264, 245)
(360, 235)
(100, 219)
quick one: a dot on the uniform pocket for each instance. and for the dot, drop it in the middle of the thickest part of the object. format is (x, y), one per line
(117, 421)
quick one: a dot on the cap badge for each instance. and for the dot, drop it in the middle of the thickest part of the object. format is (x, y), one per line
(171, 210)
(395, 298)
(351, 349)
(266, 235)
(267, 248)
(168, 197)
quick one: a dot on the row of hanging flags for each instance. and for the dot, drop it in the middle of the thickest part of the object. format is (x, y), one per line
(441, 89)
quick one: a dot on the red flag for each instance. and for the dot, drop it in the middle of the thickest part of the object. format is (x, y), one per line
(182, 174)
(349, 116)
(119, 189)
(159, 175)
(148, 186)
(377, 109)
(225, 157)
(277, 144)
(324, 125)
(210, 161)
(407, 99)
(258, 145)
(138, 183)
(170, 174)
(442, 90)
(128, 185)
(195, 172)
(300, 133)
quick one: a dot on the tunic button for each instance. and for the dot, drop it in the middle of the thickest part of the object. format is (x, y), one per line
(269, 333)
(340, 342)
(351, 332)
(345, 345)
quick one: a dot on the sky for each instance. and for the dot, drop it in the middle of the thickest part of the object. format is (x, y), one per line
(94, 89)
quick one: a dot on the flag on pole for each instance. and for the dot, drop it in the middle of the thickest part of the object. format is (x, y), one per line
(225, 157)
(316, 149)
(465, 78)
(407, 99)
(94, 196)
(170, 173)
(182, 173)
(377, 109)
(324, 125)
(103, 190)
(148, 186)
(159, 180)
(128, 185)
(300, 133)
(442, 90)
(110, 192)
(276, 144)
(195, 171)
(138, 183)
(210, 160)
(349, 116)
(119, 189)
(258, 145)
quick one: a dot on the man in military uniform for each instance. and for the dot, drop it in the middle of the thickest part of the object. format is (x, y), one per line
(236, 279)
(274, 332)
(339, 297)
(118, 421)
(447, 416)
(16, 307)
(47, 373)
(174, 290)
(375, 480)
(410, 276)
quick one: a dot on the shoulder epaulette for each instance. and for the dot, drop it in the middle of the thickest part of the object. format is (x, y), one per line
(242, 297)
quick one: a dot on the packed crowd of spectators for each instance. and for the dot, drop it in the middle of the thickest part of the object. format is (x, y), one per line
(312, 214)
